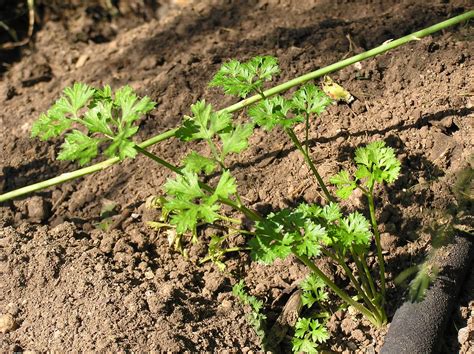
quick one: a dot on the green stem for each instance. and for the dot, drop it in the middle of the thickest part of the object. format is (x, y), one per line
(224, 251)
(370, 197)
(310, 163)
(369, 275)
(360, 270)
(251, 100)
(230, 220)
(158, 160)
(353, 280)
(339, 292)
(306, 138)
(247, 212)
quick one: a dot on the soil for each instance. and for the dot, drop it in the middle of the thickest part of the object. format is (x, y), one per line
(68, 285)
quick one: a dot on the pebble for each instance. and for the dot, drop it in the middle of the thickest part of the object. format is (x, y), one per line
(149, 275)
(37, 209)
(7, 323)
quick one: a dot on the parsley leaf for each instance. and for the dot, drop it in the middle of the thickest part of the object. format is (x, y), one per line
(237, 139)
(272, 112)
(377, 162)
(190, 204)
(204, 123)
(310, 99)
(240, 79)
(108, 119)
(198, 163)
(345, 185)
(308, 333)
(78, 146)
(314, 290)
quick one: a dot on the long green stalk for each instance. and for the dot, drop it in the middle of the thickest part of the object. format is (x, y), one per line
(246, 102)
(372, 317)
(310, 163)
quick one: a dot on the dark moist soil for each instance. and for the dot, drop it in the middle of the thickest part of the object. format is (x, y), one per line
(68, 285)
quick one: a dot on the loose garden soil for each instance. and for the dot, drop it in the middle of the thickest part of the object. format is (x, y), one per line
(69, 285)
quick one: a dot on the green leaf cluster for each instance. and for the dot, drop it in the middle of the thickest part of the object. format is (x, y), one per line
(375, 163)
(188, 204)
(306, 229)
(206, 124)
(105, 118)
(314, 290)
(309, 334)
(240, 79)
(278, 111)
(256, 317)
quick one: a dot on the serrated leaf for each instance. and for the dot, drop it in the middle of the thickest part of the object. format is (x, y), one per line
(344, 183)
(98, 118)
(272, 112)
(79, 94)
(379, 161)
(240, 79)
(357, 230)
(310, 99)
(50, 125)
(331, 212)
(121, 146)
(186, 185)
(197, 163)
(204, 123)
(131, 108)
(79, 147)
(237, 139)
(226, 185)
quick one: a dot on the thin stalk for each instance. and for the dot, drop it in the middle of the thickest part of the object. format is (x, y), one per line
(306, 137)
(369, 276)
(158, 160)
(230, 220)
(353, 280)
(360, 269)
(227, 250)
(249, 213)
(378, 245)
(215, 153)
(309, 162)
(339, 292)
(251, 100)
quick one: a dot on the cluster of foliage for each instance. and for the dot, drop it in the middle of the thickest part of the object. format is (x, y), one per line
(307, 231)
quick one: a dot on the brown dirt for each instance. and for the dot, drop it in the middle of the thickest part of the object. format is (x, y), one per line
(70, 286)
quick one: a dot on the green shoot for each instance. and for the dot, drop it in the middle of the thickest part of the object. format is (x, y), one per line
(314, 291)
(188, 204)
(376, 163)
(240, 79)
(107, 119)
(256, 318)
(309, 333)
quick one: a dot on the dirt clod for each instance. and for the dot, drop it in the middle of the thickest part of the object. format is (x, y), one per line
(7, 323)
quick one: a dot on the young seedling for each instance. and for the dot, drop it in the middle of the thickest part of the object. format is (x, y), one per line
(310, 332)
(256, 318)
(241, 79)
(376, 163)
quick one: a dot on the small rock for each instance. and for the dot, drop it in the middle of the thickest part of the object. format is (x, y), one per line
(358, 107)
(7, 323)
(37, 209)
(358, 335)
(149, 275)
(348, 325)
